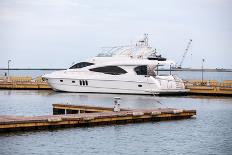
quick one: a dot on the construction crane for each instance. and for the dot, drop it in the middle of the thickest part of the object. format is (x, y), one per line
(185, 53)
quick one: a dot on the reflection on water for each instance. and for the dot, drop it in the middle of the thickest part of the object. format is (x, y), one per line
(209, 133)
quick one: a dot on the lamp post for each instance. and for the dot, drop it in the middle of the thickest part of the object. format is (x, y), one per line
(202, 70)
(8, 74)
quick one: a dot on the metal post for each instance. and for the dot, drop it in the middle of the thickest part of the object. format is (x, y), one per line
(116, 104)
(170, 69)
(157, 70)
(8, 70)
(202, 70)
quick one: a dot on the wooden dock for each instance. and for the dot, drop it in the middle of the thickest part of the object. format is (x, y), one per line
(23, 83)
(196, 87)
(75, 109)
(66, 115)
(210, 87)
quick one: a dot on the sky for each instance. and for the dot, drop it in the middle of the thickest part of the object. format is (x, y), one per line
(56, 33)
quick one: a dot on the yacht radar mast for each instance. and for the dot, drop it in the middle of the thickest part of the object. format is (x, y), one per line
(144, 41)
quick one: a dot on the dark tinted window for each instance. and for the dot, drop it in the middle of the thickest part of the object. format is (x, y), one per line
(81, 65)
(113, 70)
(141, 70)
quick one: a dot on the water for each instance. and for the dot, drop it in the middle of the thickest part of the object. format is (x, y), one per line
(210, 132)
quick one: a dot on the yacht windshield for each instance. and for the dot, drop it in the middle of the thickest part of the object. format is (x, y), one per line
(81, 65)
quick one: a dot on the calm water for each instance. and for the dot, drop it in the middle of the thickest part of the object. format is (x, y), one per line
(209, 133)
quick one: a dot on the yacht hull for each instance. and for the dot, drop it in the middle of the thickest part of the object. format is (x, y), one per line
(111, 86)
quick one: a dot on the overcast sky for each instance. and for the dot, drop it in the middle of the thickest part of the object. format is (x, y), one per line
(55, 33)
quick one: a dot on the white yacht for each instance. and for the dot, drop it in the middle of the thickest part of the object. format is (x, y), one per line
(124, 70)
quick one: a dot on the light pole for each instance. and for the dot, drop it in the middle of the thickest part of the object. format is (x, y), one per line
(8, 74)
(202, 70)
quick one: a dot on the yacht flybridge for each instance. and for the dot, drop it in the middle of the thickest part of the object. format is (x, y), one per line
(123, 69)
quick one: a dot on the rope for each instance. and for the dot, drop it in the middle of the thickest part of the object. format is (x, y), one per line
(153, 93)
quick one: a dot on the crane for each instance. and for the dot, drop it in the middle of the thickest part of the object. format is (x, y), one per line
(185, 53)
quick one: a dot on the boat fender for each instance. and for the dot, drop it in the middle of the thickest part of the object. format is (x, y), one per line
(138, 114)
(122, 114)
(88, 118)
(54, 119)
(177, 111)
(71, 117)
(155, 113)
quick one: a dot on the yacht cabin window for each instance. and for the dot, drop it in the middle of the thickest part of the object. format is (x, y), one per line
(81, 65)
(145, 70)
(113, 70)
(141, 70)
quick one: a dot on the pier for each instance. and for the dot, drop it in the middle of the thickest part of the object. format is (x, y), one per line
(66, 115)
(23, 83)
(209, 87)
(196, 87)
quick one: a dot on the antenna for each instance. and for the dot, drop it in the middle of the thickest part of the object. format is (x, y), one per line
(146, 39)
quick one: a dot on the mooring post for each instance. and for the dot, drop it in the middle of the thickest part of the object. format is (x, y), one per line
(116, 104)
